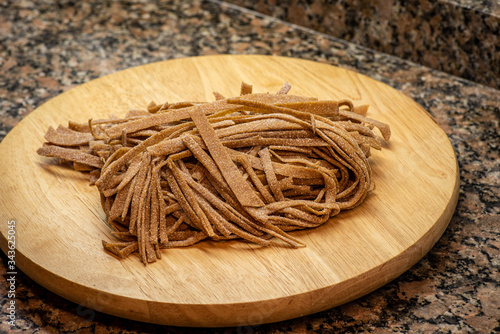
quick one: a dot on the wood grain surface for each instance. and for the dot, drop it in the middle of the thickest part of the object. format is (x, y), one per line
(60, 223)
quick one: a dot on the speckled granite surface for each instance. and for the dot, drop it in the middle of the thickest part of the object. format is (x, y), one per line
(491, 7)
(47, 48)
(461, 37)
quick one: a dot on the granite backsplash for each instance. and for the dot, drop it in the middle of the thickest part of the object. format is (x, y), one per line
(459, 37)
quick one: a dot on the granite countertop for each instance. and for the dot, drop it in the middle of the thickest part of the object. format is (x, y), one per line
(49, 47)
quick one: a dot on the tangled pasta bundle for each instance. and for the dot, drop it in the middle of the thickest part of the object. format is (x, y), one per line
(251, 167)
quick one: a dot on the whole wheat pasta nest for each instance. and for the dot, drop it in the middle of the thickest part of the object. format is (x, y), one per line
(251, 167)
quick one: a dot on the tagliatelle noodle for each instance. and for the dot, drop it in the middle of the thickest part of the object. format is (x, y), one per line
(252, 167)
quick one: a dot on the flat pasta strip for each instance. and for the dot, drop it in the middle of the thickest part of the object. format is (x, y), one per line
(71, 155)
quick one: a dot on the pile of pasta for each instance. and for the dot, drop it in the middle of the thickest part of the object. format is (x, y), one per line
(251, 167)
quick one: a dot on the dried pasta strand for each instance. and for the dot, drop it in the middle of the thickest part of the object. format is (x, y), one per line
(70, 154)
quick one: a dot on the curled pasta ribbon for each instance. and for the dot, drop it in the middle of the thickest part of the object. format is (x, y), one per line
(252, 167)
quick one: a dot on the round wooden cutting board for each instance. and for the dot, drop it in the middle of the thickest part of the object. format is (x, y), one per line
(60, 223)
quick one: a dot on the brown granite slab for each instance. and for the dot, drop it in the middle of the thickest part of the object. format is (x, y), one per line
(47, 47)
(461, 37)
